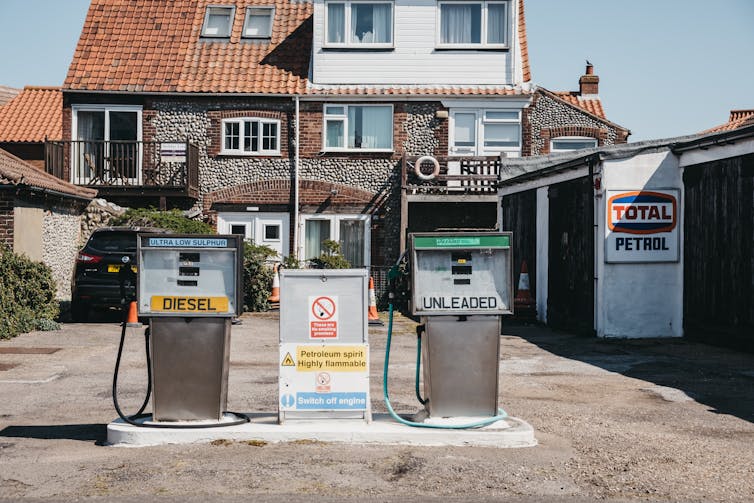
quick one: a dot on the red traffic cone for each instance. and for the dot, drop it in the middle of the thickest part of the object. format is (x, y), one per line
(275, 295)
(374, 318)
(524, 307)
(132, 319)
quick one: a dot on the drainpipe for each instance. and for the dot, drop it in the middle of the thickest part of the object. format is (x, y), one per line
(295, 181)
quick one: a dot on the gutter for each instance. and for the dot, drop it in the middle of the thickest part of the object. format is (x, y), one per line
(714, 140)
(295, 180)
(50, 192)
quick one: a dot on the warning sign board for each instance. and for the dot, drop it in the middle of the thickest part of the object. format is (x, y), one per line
(331, 358)
(323, 317)
(288, 361)
(324, 377)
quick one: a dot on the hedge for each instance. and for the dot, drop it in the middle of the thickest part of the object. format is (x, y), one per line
(27, 295)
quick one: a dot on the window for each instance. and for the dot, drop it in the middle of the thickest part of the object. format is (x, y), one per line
(107, 146)
(359, 24)
(218, 21)
(484, 132)
(271, 232)
(358, 127)
(473, 24)
(567, 143)
(351, 231)
(258, 22)
(246, 136)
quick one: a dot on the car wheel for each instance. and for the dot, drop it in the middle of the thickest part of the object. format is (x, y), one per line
(79, 312)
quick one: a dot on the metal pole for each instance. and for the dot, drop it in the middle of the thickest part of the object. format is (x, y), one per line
(295, 181)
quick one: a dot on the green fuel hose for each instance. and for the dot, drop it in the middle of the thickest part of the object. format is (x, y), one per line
(478, 424)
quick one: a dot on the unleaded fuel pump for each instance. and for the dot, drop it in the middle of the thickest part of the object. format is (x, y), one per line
(461, 285)
(189, 286)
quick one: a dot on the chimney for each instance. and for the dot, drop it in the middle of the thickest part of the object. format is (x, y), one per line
(589, 83)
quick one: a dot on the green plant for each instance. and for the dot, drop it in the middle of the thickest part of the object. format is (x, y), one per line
(27, 295)
(172, 220)
(290, 262)
(331, 257)
(257, 276)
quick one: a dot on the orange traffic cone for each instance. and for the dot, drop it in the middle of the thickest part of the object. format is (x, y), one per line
(275, 295)
(525, 308)
(132, 320)
(374, 318)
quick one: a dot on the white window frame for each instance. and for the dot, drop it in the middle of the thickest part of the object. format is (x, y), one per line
(230, 8)
(483, 44)
(248, 16)
(344, 118)
(347, 44)
(75, 109)
(335, 219)
(573, 139)
(280, 231)
(241, 121)
(482, 119)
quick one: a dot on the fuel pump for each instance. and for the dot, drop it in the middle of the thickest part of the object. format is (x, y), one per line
(461, 284)
(189, 287)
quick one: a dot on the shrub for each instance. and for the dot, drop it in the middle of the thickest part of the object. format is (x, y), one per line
(173, 220)
(27, 295)
(290, 262)
(257, 276)
(331, 257)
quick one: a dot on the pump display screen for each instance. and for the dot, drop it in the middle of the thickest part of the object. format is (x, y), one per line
(188, 277)
(461, 274)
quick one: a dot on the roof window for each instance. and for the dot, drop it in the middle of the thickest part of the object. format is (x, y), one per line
(258, 22)
(218, 21)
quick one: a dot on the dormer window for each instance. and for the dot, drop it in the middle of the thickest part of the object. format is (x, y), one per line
(258, 22)
(218, 21)
(359, 24)
(473, 25)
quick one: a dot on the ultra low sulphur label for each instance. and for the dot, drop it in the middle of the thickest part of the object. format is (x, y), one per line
(189, 304)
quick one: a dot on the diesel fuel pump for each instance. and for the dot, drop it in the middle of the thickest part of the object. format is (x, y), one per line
(461, 284)
(189, 287)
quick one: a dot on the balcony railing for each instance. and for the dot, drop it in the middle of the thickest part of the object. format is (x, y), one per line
(125, 165)
(457, 175)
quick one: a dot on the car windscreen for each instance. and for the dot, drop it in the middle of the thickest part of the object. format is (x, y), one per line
(113, 241)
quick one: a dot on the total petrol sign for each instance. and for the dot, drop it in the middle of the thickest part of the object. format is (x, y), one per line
(642, 226)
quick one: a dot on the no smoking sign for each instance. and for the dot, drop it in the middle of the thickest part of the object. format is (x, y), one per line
(323, 317)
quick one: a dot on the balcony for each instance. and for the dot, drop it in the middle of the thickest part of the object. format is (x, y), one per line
(127, 168)
(458, 176)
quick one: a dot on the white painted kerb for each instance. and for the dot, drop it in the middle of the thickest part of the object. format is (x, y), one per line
(510, 432)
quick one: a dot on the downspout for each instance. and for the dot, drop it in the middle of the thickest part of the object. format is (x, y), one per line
(295, 181)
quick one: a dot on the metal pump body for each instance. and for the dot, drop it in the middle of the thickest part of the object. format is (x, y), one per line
(461, 286)
(189, 286)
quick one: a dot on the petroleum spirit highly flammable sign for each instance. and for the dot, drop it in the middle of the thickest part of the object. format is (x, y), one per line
(642, 226)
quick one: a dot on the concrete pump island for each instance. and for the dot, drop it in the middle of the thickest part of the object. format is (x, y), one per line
(189, 287)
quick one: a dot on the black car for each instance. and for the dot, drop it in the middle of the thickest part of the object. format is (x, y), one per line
(99, 279)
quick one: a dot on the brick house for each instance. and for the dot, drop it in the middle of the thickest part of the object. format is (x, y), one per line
(294, 122)
(40, 217)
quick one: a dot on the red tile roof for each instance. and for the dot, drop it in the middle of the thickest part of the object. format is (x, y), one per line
(35, 114)
(14, 171)
(143, 45)
(591, 105)
(7, 94)
(737, 119)
(150, 46)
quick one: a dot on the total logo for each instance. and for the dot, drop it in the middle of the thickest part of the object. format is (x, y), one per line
(640, 212)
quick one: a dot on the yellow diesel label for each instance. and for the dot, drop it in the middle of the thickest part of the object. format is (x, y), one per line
(331, 358)
(189, 304)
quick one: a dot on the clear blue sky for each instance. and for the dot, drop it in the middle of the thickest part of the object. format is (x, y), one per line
(666, 67)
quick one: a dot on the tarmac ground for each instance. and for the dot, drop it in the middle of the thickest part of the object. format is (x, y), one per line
(615, 420)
